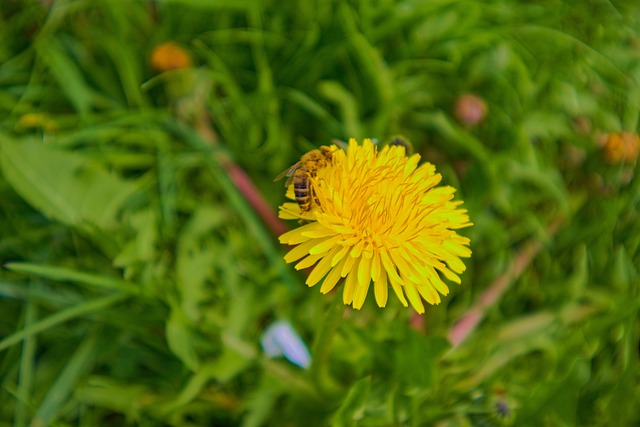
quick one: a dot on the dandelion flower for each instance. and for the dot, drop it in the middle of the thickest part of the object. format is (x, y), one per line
(377, 216)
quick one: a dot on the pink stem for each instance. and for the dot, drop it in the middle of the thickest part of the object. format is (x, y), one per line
(243, 183)
(255, 199)
(469, 321)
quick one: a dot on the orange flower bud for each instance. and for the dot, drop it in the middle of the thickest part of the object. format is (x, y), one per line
(170, 56)
(622, 147)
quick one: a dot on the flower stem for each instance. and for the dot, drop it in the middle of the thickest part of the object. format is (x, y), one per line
(474, 315)
(322, 347)
(242, 181)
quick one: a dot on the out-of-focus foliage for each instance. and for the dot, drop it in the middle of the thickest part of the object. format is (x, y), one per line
(137, 281)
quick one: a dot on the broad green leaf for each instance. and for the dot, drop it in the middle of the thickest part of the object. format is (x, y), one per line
(555, 401)
(142, 247)
(119, 396)
(220, 370)
(623, 273)
(416, 359)
(181, 338)
(64, 185)
(196, 259)
(545, 124)
(353, 405)
(578, 280)
(261, 402)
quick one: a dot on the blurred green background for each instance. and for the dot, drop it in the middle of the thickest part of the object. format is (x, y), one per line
(137, 280)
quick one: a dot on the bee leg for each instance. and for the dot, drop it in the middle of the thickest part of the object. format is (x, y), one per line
(314, 198)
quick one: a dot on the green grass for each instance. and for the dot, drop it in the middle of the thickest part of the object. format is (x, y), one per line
(137, 280)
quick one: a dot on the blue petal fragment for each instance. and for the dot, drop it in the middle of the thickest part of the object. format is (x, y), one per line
(280, 339)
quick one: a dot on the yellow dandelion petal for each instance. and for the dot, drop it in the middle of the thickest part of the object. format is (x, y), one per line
(379, 216)
(350, 285)
(316, 230)
(404, 267)
(426, 175)
(324, 245)
(308, 262)
(347, 266)
(437, 284)
(357, 249)
(294, 237)
(289, 211)
(389, 267)
(397, 288)
(332, 278)
(321, 269)
(455, 251)
(364, 271)
(414, 297)
(455, 264)
(381, 290)
(299, 251)
(429, 294)
(339, 256)
(361, 294)
(375, 266)
(448, 273)
(411, 164)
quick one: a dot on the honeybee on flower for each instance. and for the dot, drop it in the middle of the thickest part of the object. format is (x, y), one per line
(302, 173)
(379, 217)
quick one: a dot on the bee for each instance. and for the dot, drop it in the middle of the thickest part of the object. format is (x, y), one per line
(401, 141)
(301, 174)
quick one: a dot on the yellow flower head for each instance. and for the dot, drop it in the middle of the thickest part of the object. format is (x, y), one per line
(378, 216)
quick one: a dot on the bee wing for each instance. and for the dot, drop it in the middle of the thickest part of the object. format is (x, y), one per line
(288, 173)
(340, 143)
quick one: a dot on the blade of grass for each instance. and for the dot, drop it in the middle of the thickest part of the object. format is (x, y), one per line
(61, 317)
(314, 108)
(214, 5)
(374, 69)
(265, 78)
(67, 73)
(456, 136)
(339, 95)
(51, 298)
(61, 274)
(50, 406)
(27, 359)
